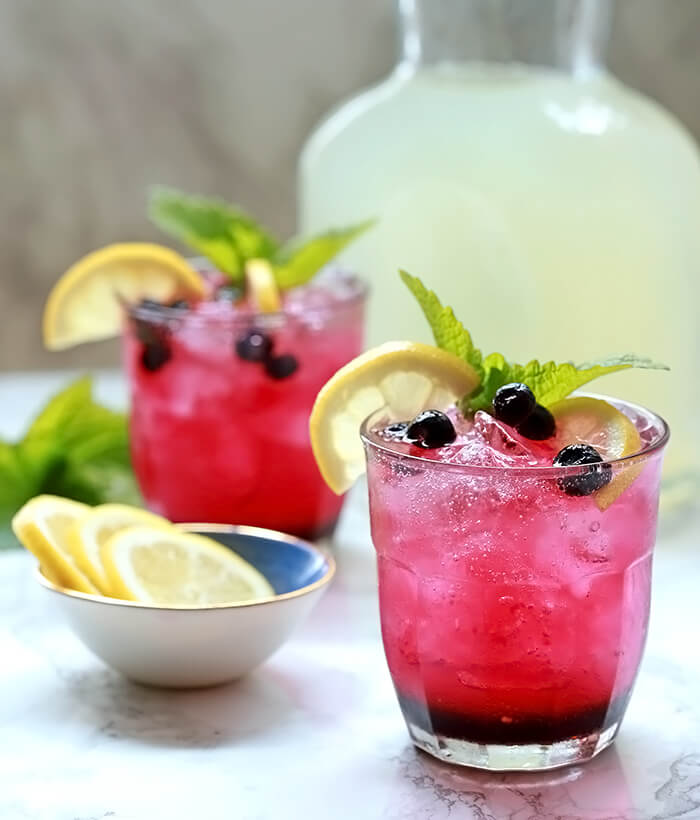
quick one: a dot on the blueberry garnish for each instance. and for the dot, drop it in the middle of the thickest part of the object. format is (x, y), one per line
(513, 403)
(281, 367)
(180, 304)
(538, 426)
(585, 483)
(254, 346)
(155, 354)
(228, 293)
(430, 429)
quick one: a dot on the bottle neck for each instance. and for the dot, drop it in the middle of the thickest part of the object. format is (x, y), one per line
(569, 35)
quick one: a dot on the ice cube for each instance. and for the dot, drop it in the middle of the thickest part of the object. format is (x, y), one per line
(507, 448)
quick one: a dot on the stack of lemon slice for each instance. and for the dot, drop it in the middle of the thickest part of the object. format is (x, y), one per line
(126, 552)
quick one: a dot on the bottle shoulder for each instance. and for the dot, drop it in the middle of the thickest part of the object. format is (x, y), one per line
(366, 103)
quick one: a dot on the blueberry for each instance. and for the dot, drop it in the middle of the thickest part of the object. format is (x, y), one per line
(180, 304)
(150, 304)
(430, 429)
(155, 354)
(228, 293)
(281, 367)
(254, 346)
(538, 426)
(587, 482)
(513, 403)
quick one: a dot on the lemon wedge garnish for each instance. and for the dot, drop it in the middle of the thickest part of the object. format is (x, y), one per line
(43, 525)
(96, 527)
(261, 286)
(169, 567)
(86, 304)
(402, 378)
(585, 420)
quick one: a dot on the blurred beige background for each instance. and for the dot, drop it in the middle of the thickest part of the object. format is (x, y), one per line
(100, 99)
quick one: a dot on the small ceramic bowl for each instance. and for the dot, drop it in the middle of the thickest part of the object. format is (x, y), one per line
(191, 647)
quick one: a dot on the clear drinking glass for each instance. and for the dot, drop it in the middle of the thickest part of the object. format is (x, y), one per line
(513, 615)
(217, 437)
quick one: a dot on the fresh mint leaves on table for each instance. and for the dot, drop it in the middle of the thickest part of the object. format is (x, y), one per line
(75, 447)
(229, 237)
(549, 381)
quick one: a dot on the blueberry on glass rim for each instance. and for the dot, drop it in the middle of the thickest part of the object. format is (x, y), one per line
(513, 403)
(254, 346)
(430, 429)
(538, 426)
(584, 483)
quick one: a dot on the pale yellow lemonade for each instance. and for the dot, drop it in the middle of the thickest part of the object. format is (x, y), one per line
(559, 214)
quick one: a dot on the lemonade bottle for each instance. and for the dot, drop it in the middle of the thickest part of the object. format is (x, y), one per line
(557, 209)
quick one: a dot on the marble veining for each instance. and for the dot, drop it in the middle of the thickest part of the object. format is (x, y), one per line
(315, 732)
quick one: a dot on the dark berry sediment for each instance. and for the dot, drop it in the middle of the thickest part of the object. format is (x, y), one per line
(510, 727)
(538, 426)
(582, 455)
(513, 403)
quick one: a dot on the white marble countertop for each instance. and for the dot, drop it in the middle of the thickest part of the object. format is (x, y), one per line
(315, 732)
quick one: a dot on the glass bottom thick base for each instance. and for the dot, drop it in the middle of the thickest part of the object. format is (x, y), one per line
(516, 758)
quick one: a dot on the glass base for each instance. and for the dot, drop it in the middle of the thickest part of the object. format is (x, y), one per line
(525, 757)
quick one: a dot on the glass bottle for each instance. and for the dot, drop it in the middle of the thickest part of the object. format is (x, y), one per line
(557, 210)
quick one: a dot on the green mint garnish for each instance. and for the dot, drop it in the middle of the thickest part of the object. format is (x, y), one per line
(230, 238)
(549, 381)
(75, 447)
(225, 235)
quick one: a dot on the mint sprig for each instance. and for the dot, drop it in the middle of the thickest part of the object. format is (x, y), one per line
(230, 238)
(75, 447)
(549, 381)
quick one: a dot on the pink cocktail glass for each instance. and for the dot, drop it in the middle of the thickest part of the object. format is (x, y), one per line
(513, 614)
(219, 438)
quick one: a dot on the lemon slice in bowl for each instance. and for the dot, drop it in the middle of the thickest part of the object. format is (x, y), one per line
(85, 305)
(402, 378)
(585, 420)
(43, 525)
(169, 567)
(96, 527)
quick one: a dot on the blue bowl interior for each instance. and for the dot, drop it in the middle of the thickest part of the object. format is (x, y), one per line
(287, 565)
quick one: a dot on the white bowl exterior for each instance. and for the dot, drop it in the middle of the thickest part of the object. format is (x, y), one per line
(184, 648)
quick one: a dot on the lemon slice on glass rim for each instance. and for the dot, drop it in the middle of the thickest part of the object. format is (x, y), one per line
(593, 421)
(86, 303)
(402, 378)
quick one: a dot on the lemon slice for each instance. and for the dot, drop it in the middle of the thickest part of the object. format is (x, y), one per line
(402, 378)
(262, 287)
(43, 526)
(95, 528)
(173, 568)
(86, 303)
(585, 420)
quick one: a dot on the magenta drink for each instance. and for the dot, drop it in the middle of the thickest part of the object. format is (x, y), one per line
(220, 401)
(514, 594)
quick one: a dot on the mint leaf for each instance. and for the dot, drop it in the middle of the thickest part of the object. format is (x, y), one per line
(449, 333)
(298, 261)
(226, 235)
(550, 382)
(75, 447)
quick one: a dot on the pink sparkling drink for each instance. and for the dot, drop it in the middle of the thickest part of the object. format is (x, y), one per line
(217, 437)
(513, 614)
